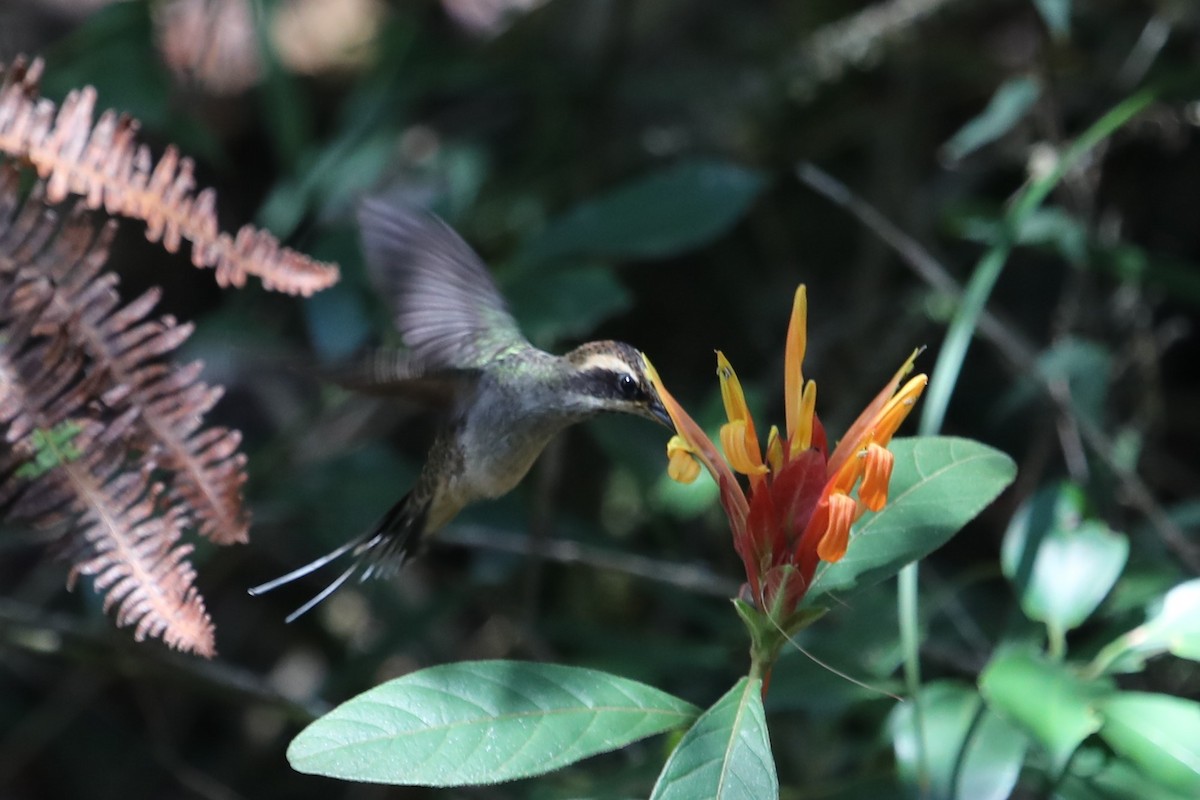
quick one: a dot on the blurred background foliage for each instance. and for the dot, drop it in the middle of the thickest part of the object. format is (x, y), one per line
(629, 169)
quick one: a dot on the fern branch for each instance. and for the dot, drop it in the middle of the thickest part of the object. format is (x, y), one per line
(208, 472)
(89, 409)
(104, 164)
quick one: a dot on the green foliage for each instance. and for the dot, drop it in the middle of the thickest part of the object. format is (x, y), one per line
(726, 754)
(685, 206)
(1008, 106)
(938, 485)
(965, 749)
(50, 448)
(1062, 567)
(1172, 626)
(1158, 734)
(1043, 154)
(1061, 564)
(1046, 699)
(483, 722)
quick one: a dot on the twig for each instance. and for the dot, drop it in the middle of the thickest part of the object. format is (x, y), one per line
(691, 578)
(1021, 356)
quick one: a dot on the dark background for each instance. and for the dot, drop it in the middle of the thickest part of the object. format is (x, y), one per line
(506, 125)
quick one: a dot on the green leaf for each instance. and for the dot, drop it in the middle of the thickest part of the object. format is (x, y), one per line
(1057, 15)
(1159, 734)
(682, 207)
(970, 751)
(1173, 626)
(938, 485)
(1061, 565)
(482, 722)
(51, 448)
(1047, 700)
(726, 754)
(1007, 107)
(1096, 774)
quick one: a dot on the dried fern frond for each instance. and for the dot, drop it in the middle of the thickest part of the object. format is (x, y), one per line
(207, 471)
(89, 410)
(103, 163)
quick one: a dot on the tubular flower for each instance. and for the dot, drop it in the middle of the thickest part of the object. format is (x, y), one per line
(800, 500)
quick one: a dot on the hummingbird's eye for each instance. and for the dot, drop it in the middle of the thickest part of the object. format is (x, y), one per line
(627, 385)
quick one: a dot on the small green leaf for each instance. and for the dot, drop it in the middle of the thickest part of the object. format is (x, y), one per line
(1159, 734)
(726, 754)
(684, 206)
(51, 448)
(939, 484)
(1172, 626)
(1096, 774)
(1061, 565)
(1047, 700)
(482, 722)
(1008, 106)
(970, 751)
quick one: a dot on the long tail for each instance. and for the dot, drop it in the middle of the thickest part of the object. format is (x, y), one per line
(378, 553)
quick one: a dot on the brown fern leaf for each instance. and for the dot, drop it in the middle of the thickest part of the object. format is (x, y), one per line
(130, 546)
(129, 543)
(103, 163)
(82, 389)
(207, 471)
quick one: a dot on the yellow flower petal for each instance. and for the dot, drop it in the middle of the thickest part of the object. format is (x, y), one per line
(682, 467)
(802, 436)
(774, 450)
(898, 409)
(738, 412)
(732, 497)
(865, 427)
(793, 361)
(735, 442)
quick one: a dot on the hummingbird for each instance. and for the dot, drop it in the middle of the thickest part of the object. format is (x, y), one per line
(503, 398)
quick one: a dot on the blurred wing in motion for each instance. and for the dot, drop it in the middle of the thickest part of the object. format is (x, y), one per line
(444, 302)
(397, 373)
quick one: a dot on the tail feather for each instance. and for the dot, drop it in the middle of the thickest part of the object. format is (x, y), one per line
(378, 553)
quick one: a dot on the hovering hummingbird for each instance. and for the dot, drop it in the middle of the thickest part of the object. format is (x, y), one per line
(504, 398)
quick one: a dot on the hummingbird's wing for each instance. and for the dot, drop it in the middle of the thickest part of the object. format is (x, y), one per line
(398, 373)
(444, 302)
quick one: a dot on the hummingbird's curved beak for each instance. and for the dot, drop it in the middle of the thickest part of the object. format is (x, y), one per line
(658, 412)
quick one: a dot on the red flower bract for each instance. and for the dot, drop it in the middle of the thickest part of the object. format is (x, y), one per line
(799, 505)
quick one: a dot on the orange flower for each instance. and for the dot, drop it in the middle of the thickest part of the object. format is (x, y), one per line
(800, 502)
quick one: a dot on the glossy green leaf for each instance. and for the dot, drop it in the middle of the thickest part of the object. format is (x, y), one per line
(970, 752)
(1159, 734)
(1061, 564)
(482, 722)
(1172, 626)
(684, 206)
(726, 754)
(1046, 700)
(938, 485)
(1008, 106)
(1095, 773)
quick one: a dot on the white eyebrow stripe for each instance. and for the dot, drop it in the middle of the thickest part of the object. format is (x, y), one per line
(606, 361)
